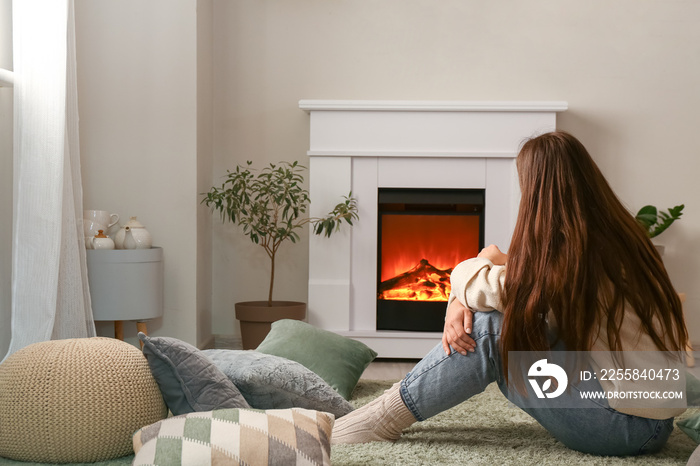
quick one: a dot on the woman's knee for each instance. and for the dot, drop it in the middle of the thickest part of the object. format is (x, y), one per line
(487, 324)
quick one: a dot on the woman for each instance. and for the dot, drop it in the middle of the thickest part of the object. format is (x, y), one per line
(581, 275)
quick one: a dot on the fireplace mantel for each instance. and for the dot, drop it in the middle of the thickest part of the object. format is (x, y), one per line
(361, 146)
(431, 106)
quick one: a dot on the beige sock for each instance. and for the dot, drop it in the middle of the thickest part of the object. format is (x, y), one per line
(382, 420)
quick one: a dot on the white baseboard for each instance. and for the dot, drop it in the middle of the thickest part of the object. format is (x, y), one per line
(209, 343)
(227, 342)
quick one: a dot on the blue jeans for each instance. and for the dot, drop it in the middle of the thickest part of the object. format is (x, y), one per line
(439, 382)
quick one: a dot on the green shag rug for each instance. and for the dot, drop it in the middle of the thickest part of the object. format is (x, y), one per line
(486, 430)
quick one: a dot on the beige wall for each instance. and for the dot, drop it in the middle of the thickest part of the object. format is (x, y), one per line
(144, 78)
(205, 147)
(629, 70)
(138, 97)
(150, 121)
(6, 96)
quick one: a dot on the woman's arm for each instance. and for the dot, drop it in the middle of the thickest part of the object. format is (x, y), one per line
(493, 254)
(477, 285)
(458, 323)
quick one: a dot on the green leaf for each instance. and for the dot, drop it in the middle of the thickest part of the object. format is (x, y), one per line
(267, 204)
(656, 222)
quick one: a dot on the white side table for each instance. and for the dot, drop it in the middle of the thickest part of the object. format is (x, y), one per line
(126, 284)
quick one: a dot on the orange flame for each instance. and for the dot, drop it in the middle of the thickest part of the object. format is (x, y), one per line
(420, 251)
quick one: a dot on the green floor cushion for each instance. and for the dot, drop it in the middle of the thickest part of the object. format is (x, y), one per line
(272, 382)
(238, 436)
(77, 400)
(187, 379)
(340, 361)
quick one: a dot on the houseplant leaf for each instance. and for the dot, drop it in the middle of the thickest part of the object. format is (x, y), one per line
(268, 205)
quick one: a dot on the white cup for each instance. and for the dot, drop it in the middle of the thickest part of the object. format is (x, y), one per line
(91, 228)
(102, 217)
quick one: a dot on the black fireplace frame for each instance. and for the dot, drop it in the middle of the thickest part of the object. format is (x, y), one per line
(421, 316)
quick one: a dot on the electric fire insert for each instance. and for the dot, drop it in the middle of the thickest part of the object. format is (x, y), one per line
(423, 235)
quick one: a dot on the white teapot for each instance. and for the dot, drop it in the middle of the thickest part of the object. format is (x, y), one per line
(133, 235)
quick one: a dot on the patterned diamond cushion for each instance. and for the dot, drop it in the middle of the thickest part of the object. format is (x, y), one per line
(238, 436)
(76, 400)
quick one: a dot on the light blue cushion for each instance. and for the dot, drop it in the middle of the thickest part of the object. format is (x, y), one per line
(272, 382)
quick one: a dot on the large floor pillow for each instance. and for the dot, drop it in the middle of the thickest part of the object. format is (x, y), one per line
(235, 436)
(187, 379)
(77, 400)
(272, 382)
(338, 360)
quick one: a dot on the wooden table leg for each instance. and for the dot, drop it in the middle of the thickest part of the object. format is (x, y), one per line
(119, 330)
(141, 327)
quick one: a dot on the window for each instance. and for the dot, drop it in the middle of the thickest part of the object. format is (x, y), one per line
(6, 178)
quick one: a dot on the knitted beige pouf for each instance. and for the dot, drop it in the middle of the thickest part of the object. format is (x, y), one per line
(75, 400)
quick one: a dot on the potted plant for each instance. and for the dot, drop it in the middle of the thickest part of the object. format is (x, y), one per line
(269, 205)
(656, 222)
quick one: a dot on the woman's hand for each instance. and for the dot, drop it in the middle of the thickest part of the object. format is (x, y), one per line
(458, 323)
(494, 254)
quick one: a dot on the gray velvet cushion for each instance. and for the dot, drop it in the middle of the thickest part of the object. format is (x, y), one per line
(273, 382)
(188, 380)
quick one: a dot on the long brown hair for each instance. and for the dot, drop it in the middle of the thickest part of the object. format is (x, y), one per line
(577, 251)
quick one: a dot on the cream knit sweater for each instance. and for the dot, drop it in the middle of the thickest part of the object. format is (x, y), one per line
(478, 284)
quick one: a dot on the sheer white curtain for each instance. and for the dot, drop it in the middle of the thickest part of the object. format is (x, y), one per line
(50, 296)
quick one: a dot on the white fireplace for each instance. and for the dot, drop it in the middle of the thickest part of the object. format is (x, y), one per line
(363, 146)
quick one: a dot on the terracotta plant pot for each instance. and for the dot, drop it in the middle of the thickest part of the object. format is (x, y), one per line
(256, 318)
